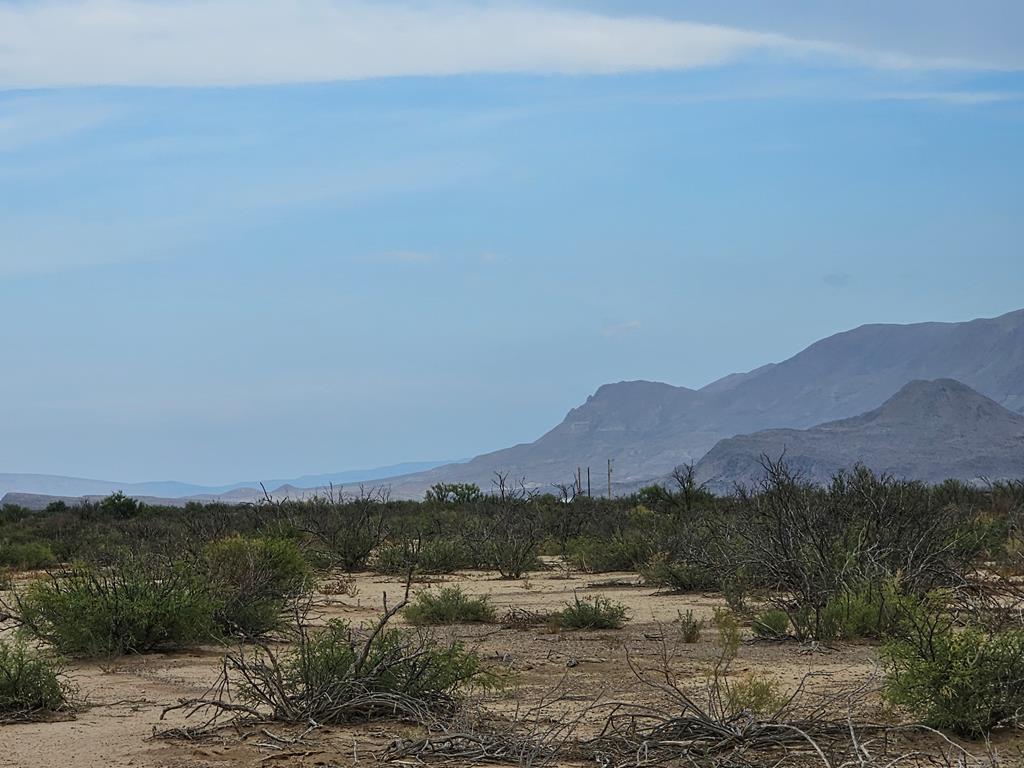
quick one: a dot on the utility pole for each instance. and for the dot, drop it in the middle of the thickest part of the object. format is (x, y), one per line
(609, 478)
(588, 482)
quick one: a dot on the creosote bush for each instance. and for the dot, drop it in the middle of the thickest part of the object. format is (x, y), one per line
(135, 607)
(339, 674)
(596, 612)
(675, 575)
(26, 556)
(449, 606)
(432, 556)
(772, 624)
(250, 581)
(967, 680)
(30, 684)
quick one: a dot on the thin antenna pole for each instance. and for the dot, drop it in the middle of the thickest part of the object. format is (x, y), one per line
(588, 482)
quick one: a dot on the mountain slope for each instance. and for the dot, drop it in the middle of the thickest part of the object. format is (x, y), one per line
(647, 428)
(929, 430)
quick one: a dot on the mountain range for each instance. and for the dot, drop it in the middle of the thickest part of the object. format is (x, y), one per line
(929, 430)
(925, 400)
(647, 428)
(20, 487)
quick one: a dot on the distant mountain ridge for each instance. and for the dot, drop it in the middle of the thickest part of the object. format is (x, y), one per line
(929, 430)
(75, 487)
(647, 428)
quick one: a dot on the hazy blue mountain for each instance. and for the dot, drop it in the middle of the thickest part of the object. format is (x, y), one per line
(76, 487)
(929, 430)
(647, 428)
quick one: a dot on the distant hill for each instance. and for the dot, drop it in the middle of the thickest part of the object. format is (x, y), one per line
(57, 486)
(929, 430)
(647, 427)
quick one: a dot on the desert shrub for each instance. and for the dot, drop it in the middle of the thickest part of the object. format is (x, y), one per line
(344, 533)
(772, 624)
(251, 580)
(134, 608)
(969, 681)
(866, 611)
(756, 693)
(816, 544)
(433, 556)
(30, 555)
(595, 555)
(30, 683)
(449, 606)
(596, 612)
(443, 556)
(120, 506)
(689, 627)
(675, 575)
(338, 674)
(454, 493)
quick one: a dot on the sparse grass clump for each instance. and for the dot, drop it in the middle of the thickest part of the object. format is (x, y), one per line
(135, 607)
(596, 612)
(251, 580)
(449, 606)
(30, 685)
(689, 627)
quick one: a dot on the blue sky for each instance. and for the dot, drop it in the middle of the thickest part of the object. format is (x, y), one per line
(257, 240)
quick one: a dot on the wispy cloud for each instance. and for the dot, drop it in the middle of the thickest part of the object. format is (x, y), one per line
(620, 329)
(960, 98)
(247, 42)
(29, 120)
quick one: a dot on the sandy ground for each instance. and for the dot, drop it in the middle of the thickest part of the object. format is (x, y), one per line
(124, 699)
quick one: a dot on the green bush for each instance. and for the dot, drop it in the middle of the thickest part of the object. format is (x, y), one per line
(27, 556)
(134, 608)
(968, 681)
(434, 556)
(868, 611)
(755, 693)
(676, 576)
(338, 674)
(251, 580)
(29, 683)
(594, 555)
(772, 624)
(449, 606)
(596, 612)
(689, 627)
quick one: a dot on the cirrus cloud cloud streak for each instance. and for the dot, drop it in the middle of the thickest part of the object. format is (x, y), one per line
(55, 43)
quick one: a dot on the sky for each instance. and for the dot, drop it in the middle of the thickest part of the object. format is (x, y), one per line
(245, 239)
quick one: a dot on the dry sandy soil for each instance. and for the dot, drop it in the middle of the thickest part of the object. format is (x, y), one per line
(124, 698)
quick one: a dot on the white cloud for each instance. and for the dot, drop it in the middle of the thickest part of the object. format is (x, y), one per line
(49, 43)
